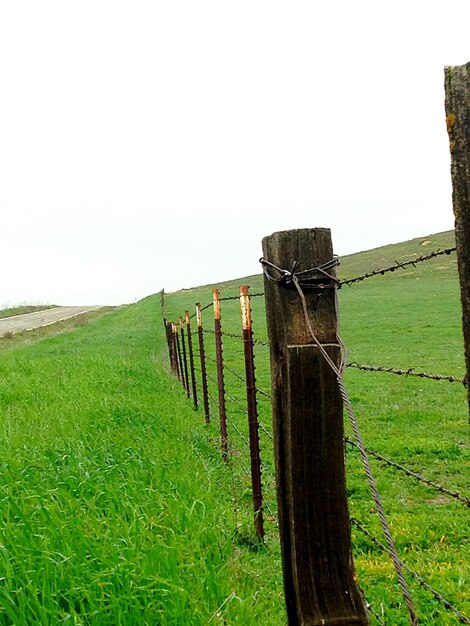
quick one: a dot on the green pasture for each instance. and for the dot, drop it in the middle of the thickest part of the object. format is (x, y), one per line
(118, 510)
(406, 319)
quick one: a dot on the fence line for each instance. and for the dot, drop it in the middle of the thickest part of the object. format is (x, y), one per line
(218, 334)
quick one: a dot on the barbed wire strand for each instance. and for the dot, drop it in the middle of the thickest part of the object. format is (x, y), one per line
(411, 473)
(408, 372)
(257, 342)
(286, 278)
(423, 583)
(229, 369)
(398, 265)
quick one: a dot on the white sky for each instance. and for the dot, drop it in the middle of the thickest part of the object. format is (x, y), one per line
(149, 144)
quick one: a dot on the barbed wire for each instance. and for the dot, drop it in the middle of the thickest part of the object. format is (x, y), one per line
(423, 583)
(238, 431)
(265, 431)
(409, 372)
(229, 369)
(257, 342)
(265, 394)
(411, 473)
(397, 265)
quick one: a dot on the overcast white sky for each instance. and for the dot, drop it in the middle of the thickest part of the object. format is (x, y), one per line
(149, 144)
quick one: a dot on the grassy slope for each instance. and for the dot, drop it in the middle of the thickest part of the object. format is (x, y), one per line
(116, 508)
(27, 308)
(410, 318)
(113, 502)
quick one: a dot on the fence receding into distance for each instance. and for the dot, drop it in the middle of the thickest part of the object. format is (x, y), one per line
(224, 372)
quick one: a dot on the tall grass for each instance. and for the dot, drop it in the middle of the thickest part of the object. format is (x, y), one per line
(117, 508)
(114, 504)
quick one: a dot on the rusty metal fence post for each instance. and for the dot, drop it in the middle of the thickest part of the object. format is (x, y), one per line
(185, 359)
(252, 406)
(191, 358)
(179, 361)
(171, 348)
(220, 374)
(202, 355)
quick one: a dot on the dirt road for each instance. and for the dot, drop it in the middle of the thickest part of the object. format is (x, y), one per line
(40, 318)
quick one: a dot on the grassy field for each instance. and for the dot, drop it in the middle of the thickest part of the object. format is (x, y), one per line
(117, 508)
(408, 319)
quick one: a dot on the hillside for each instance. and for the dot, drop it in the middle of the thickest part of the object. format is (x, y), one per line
(406, 320)
(361, 262)
(117, 509)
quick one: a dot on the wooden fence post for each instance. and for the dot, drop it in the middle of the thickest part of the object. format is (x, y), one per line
(220, 374)
(319, 581)
(202, 355)
(252, 407)
(457, 104)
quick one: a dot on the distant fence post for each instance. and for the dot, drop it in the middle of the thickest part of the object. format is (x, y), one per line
(172, 348)
(185, 359)
(191, 358)
(319, 581)
(179, 361)
(457, 104)
(253, 424)
(220, 374)
(202, 356)
(162, 305)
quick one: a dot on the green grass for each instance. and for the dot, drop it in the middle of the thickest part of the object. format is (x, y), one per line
(117, 508)
(407, 319)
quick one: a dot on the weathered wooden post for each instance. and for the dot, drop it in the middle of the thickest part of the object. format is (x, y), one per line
(202, 355)
(252, 408)
(319, 581)
(220, 374)
(457, 104)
